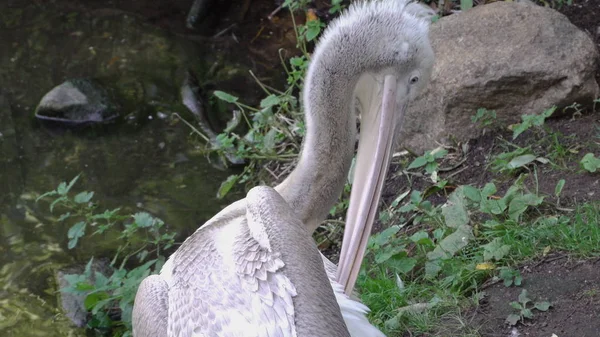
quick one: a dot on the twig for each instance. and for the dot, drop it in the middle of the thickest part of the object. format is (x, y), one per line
(224, 30)
(257, 34)
(446, 169)
(548, 260)
(457, 172)
(273, 13)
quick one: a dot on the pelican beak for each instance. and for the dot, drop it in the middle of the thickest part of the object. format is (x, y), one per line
(372, 162)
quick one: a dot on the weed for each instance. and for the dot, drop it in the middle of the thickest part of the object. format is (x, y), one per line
(484, 117)
(514, 161)
(429, 160)
(529, 121)
(336, 6)
(276, 125)
(106, 295)
(590, 163)
(510, 276)
(525, 308)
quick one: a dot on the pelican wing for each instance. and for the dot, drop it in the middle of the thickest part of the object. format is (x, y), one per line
(225, 282)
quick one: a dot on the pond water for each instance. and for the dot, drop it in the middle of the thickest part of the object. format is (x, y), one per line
(148, 163)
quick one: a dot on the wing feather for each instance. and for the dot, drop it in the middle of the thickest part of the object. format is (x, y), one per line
(225, 283)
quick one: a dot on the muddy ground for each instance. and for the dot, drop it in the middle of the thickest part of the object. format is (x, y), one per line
(571, 286)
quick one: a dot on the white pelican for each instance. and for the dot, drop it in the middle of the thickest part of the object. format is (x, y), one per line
(253, 269)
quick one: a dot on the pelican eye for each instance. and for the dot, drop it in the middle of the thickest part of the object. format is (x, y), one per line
(414, 79)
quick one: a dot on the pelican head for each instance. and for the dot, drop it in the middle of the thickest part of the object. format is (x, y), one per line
(381, 52)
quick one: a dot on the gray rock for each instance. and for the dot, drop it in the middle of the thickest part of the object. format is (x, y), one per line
(513, 58)
(75, 102)
(73, 304)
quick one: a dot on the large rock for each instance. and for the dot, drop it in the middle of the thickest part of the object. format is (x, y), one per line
(513, 58)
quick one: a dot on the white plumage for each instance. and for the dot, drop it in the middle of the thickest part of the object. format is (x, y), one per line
(253, 270)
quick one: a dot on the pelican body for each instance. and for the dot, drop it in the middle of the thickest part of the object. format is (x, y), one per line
(253, 269)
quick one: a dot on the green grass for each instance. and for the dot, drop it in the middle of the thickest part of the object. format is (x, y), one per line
(476, 236)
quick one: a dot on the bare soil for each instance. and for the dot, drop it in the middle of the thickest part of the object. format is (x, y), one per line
(572, 287)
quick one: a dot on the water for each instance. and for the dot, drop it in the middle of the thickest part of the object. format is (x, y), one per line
(148, 164)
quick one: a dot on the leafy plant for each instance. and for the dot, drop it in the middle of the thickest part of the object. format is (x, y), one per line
(590, 163)
(510, 276)
(275, 126)
(511, 162)
(428, 160)
(484, 117)
(336, 6)
(529, 121)
(109, 298)
(525, 308)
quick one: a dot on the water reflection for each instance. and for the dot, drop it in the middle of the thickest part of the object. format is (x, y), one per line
(147, 164)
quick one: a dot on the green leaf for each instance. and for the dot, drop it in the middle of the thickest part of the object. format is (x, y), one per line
(520, 204)
(519, 129)
(523, 299)
(431, 167)
(418, 162)
(83, 197)
(88, 268)
(542, 306)
(63, 188)
(312, 32)
(439, 153)
(438, 234)
(101, 280)
(107, 215)
(227, 185)
(527, 313)
(64, 216)
(402, 264)
(143, 219)
(513, 319)
(432, 268)
(384, 237)
(75, 232)
(57, 201)
(492, 206)
(488, 189)
(521, 161)
(495, 250)
(92, 299)
(225, 96)
(590, 163)
(451, 244)
(388, 251)
(518, 280)
(559, 187)
(455, 211)
(101, 304)
(471, 193)
(270, 101)
(418, 236)
(84, 286)
(516, 305)
(269, 141)
(47, 194)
